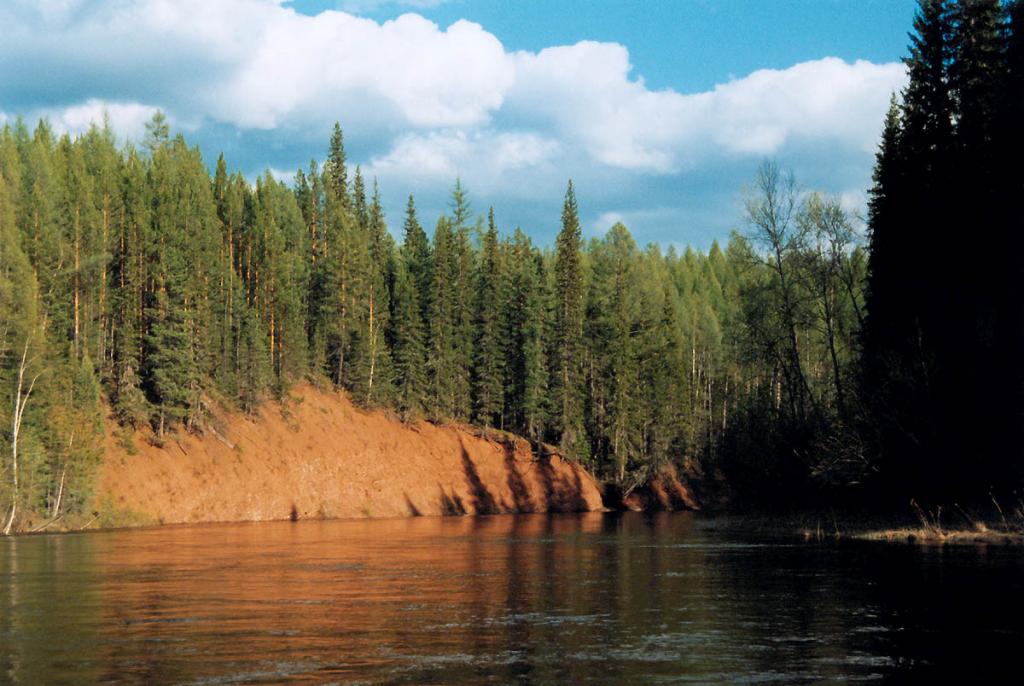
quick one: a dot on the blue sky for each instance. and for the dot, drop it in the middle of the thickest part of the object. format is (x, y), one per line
(659, 111)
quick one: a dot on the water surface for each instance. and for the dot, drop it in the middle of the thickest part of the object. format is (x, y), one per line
(594, 598)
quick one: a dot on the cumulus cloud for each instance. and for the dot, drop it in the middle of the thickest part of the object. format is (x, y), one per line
(126, 119)
(630, 218)
(425, 103)
(259, 64)
(489, 157)
(368, 6)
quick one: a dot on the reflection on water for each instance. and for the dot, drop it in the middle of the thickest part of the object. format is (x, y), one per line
(598, 598)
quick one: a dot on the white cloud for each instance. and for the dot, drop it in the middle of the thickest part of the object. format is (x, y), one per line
(126, 119)
(423, 103)
(605, 221)
(855, 202)
(489, 157)
(630, 218)
(406, 71)
(257, 64)
(585, 91)
(367, 6)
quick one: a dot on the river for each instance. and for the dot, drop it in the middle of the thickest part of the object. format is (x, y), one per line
(593, 598)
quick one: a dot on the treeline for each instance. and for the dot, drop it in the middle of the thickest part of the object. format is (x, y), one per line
(943, 371)
(134, 282)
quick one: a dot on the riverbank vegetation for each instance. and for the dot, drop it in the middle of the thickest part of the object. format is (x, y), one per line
(802, 361)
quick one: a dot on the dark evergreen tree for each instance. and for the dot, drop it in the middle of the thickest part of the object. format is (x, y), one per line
(442, 356)
(379, 276)
(489, 379)
(418, 260)
(409, 348)
(463, 277)
(129, 290)
(170, 370)
(567, 362)
(529, 330)
(336, 169)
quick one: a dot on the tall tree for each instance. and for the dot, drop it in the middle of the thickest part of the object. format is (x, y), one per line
(409, 348)
(418, 259)
(489, 352)
(441, 357)
(567, 382)
(336, 168)
(529, 327)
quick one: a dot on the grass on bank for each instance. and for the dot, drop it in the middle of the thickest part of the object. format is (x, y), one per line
(1001, 526)
(932, 526)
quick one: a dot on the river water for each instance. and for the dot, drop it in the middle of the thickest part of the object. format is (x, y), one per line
(594, 598)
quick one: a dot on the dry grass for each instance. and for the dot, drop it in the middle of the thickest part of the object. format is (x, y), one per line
(1006, 528)
(928, 535)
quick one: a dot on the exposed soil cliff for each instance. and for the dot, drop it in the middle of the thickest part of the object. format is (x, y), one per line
(666, 491)
(319, 456)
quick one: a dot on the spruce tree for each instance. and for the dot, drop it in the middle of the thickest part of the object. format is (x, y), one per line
(380, 276)
(463, 277)
(528, 327)
(491, 330)
(409, 349)
(567, 381)
(129, 286)
(170, 369)
(416, 251)
(336, 169)
(312, 204)
(442, 359)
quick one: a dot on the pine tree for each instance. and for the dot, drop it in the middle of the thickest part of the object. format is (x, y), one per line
(409, 349)
(489, 352)
(463, 276)
(612, 324)
(104, 165)
(416, 251)
(21, 347)
(79, 232)
(359, 206)
(442, 359)
(567, 382)
(663, 374)
(170, 370)
(462, 211)
(310, 196)
(980, 329)
(380, 275)
(528, 333)
(281, 250)
(128, 281)
(885, 258)
(336, 169)
(158, 132)
(347, 275)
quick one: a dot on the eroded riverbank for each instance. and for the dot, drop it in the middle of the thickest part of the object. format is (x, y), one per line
(321, 457)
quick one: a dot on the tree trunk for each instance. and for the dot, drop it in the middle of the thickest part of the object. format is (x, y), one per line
(373, 352)
(21, 397)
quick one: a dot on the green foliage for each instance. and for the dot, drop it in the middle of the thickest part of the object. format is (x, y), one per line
(139, 284)
(529, 325)
(941, 346)
(442, 358)
(489, 360)
(567, 355)
(409, 349)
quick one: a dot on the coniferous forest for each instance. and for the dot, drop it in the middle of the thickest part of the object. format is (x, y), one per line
(811, 359)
